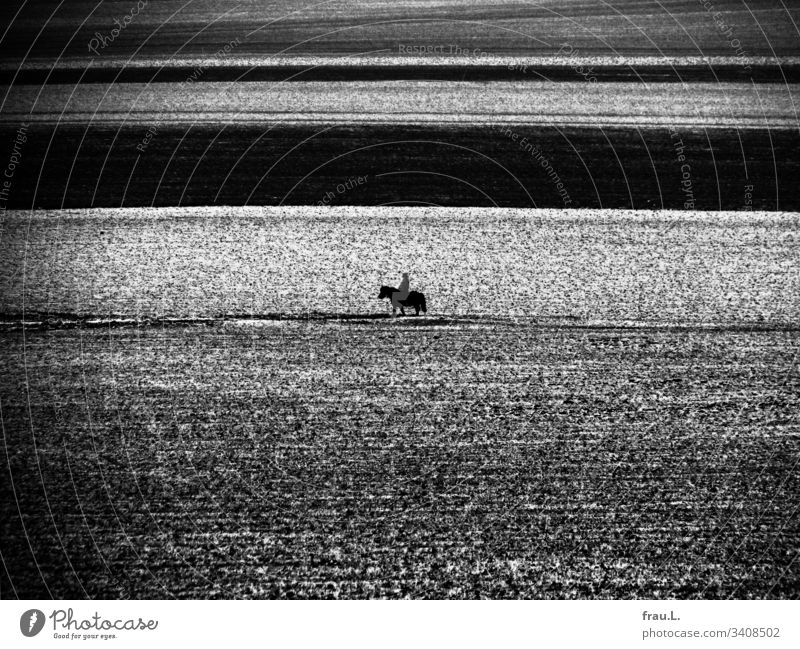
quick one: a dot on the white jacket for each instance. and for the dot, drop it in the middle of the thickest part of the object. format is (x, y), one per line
(403, 290)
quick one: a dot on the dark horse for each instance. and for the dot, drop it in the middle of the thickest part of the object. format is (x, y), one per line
(415, 299)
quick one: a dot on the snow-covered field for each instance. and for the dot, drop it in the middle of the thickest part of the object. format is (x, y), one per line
(601, 266)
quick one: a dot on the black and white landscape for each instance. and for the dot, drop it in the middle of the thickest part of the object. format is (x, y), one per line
(203, 397)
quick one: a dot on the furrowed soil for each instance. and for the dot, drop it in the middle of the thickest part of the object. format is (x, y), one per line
(275, 459)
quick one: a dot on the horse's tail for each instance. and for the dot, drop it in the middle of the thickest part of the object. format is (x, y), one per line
(422, 305)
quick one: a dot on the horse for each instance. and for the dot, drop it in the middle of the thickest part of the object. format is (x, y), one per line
(415, 299)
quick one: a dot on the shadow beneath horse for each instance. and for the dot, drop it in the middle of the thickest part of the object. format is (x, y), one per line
(415, 300)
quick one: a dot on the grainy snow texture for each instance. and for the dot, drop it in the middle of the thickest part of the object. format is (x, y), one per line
(593, 265)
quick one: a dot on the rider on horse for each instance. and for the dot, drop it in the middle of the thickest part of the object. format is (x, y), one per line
(402, 292)
(403, 297)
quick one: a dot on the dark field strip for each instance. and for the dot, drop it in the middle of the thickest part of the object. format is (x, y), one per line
(261, 71)
(610, 167)
(329, 460)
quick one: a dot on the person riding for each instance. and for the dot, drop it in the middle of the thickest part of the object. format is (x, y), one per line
(402, 292)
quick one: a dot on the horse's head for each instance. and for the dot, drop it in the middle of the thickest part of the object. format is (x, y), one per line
(386, 292)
